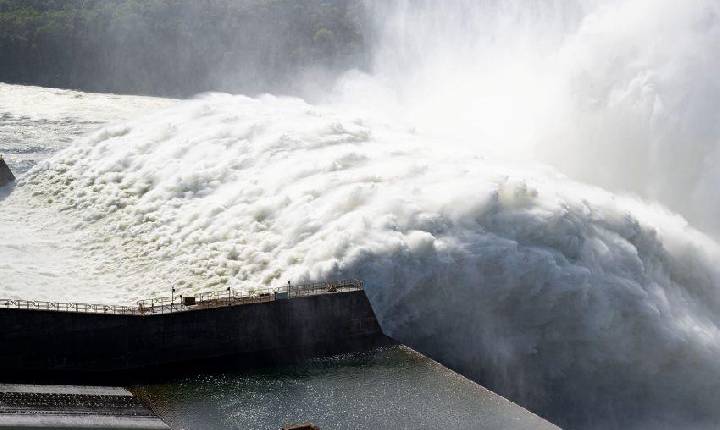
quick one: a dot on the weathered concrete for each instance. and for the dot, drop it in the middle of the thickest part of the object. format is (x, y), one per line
(6, 176)
(73, 407)
(37, 342)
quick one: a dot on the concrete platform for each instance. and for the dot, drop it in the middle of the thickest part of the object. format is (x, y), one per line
(73, 407)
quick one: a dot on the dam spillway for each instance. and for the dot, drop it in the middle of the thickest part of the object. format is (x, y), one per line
(42, 339)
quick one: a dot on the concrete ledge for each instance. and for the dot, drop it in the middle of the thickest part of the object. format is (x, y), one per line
(88, 390)
(73, 407)
(88, 421)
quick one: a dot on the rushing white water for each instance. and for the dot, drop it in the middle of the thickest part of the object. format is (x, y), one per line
(555, 293)
(42, 253)
(426, 179)
(35, 122)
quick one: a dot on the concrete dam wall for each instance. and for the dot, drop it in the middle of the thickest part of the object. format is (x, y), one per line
(36, 342)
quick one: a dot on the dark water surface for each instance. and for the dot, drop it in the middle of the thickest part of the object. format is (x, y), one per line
(390, 388)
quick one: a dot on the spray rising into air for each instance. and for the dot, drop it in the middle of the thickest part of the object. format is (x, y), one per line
(620, 94)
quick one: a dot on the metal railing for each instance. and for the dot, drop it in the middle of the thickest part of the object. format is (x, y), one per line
(204, 300)
(93, 308)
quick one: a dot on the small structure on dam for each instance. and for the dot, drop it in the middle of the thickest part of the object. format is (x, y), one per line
(6, 176)
(41, 339)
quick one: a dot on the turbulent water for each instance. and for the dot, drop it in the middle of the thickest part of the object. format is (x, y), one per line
(460, 179)
(42, 252)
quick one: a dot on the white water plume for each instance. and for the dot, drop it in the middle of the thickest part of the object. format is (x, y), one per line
(594, 309)
(621, 94)
(549, 291)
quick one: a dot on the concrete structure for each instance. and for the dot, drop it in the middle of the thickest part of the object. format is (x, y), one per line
(35, 343)
(6, 176)
(73, 407)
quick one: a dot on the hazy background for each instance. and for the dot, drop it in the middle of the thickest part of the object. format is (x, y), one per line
(179, 48)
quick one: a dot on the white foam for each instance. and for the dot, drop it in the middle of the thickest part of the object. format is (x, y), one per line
(556, 293)
(42, 254)
(60, 104)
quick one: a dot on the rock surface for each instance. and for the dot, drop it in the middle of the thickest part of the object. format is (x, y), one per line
(6, 176)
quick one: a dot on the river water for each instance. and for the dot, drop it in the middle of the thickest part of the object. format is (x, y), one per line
(391, 388)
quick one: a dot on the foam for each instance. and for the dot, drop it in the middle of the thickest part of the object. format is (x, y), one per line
(559, 295)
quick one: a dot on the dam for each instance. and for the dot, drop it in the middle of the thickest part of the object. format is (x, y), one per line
(160, 349)
(103, 342)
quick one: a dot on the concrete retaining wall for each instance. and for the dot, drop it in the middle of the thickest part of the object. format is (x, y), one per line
(37, 342)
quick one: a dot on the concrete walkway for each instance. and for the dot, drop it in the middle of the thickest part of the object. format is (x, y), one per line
(73, 407)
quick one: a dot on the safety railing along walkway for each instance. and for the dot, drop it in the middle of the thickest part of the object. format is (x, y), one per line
(180, 303)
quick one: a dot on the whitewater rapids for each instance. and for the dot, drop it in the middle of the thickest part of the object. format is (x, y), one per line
(561, 296)
(42, 253)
